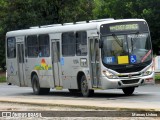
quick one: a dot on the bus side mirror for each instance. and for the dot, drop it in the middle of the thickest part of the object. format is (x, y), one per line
(100, 43)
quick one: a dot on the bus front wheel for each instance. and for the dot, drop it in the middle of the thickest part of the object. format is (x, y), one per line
(37, 90)
(86, 92)
(128, 90)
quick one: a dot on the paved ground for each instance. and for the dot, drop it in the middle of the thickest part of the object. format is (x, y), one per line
(144, 98)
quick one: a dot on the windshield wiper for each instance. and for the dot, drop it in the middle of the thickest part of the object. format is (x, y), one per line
(117, 40)
(132, 39)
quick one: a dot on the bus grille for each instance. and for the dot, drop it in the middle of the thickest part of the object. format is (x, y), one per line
(120, 76)
(130, 81)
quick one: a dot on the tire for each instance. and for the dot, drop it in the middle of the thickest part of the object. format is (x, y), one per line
(37, 90)
(9, 83)
(128, 91)
(84, 87)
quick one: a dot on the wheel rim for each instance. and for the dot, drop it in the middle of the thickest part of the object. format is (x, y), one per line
(84, 87)
(35, 86)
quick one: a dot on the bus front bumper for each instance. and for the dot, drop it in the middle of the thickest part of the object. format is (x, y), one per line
(126, 82)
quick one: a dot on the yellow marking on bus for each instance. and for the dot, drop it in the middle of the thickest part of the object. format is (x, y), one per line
(123, 60)
(94, 88)
(59, 87)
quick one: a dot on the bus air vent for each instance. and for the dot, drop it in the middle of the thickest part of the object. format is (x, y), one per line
(101, 20)
(81, 22)
(130, 81)
(121, 76)
(53, 25)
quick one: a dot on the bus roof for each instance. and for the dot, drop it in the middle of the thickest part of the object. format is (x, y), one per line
(66, 27)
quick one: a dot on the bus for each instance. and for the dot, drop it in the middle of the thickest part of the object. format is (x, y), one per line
(81, 57)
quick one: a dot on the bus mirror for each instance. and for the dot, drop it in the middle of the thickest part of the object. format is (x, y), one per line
(100, 44)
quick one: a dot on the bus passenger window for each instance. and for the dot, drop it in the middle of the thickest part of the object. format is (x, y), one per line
(44, 45)
(11, 47)
(68, 44)
(32, 46)
(81, 43)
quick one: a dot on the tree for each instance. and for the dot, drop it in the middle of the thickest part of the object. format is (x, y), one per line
(145, 9)
(3, 8)
(22, 14)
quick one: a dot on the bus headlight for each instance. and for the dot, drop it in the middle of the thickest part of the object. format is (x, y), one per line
(109, 74)
(149, 71)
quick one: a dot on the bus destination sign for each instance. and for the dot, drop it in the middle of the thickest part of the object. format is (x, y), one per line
(124, 27)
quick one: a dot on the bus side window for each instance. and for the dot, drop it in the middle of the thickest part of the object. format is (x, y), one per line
(11, 47)
(44, 45)
(68, 44)
(32, 46)
(81, 43)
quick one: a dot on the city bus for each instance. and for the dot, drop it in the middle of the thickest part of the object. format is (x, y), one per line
(82, 57)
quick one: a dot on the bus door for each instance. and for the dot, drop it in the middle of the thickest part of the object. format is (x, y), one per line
(21, 65)
(56, 63)
(94, 61)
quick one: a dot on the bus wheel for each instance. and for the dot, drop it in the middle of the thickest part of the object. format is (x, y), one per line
(84, 87)
(9, 83)
(37, 90)
(128, 90)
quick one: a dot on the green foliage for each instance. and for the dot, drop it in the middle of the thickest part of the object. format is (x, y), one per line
(157, 77)
(2, 79)
(146, 9)
(22, 14)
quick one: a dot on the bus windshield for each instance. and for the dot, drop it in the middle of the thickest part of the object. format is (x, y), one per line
(126, 49)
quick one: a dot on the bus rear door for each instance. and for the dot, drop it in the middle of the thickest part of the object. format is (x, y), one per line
(20, 60)
(56, 63)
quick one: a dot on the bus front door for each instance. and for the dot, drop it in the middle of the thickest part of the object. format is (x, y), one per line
(56, 63)
(94, 61)
(21, 66)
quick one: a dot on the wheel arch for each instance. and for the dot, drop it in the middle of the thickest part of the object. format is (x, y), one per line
(32, 74)
(79, 76)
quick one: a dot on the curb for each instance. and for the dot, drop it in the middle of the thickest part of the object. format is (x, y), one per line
(84, 106)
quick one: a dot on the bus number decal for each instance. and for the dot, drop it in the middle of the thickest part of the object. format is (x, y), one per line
(75, 61)
(109, 59)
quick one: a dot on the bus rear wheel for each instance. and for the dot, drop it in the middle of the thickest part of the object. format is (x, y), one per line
(86, 92)
(37, 90)
(128, 90)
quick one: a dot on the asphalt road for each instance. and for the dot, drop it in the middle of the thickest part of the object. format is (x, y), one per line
(149, 93)
(143, 96)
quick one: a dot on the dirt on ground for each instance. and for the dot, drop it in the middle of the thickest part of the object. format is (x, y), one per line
(16, 109)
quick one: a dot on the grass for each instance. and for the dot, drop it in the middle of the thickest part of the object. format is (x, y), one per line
(2, 76)
(2, 79)
(157, 77)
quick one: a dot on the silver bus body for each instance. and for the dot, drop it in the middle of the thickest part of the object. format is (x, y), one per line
(65, 72)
